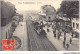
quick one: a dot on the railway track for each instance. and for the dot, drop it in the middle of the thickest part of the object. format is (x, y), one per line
(48, 45)
(37, 43)
(35, 40)
(32, 41)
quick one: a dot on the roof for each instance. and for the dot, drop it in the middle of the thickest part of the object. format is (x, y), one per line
(48, 9)
(58, 20)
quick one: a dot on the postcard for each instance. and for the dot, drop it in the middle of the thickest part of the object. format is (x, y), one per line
(39, 25)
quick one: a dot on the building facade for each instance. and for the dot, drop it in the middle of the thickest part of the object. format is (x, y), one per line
(6, 31)
(50, 13)
(75, 24)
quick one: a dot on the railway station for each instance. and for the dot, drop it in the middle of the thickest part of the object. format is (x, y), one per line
(40, 26)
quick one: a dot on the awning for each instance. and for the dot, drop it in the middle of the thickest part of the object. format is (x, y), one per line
(42, 16)
(76, 15)
(58, 20)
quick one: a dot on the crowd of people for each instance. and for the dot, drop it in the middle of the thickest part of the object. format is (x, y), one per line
(57, 35)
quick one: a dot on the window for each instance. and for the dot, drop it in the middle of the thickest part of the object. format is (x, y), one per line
(77, 25)
(73, 25)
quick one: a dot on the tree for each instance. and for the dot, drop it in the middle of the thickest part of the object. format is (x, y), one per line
(70, 8)
(7, 9)
(58, 11)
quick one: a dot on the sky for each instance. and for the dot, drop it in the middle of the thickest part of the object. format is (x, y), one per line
(34, 4)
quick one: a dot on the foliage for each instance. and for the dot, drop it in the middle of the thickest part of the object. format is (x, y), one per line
(7, 9)
(70, 8)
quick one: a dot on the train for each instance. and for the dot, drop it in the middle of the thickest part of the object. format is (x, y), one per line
(39, 29)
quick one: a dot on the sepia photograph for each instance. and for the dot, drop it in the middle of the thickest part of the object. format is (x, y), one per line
(39, 25)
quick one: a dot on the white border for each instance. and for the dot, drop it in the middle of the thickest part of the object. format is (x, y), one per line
(79, 25)
(39, 52)
(0, 27)
(42, 52)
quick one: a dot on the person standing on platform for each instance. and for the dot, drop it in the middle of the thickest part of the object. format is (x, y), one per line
(70, 40)
(63, 43)
(67, 46)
